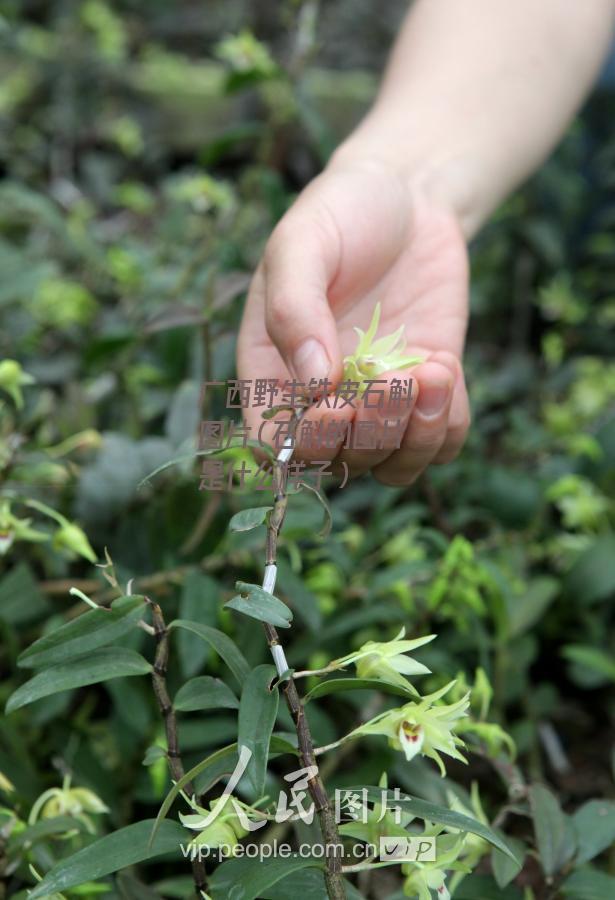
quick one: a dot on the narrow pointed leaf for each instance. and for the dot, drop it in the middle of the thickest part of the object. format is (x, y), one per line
(340, 685)
(432, 812)
(257, 714)
(249, 878)
(126, 847)
(99, 665)
(91, 630)
(43, 829)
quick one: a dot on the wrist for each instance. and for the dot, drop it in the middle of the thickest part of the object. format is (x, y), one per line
(430, 169)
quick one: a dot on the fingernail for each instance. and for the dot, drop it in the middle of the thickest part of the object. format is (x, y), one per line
(432, 399)
(311, 361)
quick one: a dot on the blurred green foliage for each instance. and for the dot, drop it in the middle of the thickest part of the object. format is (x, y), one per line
(146, 154)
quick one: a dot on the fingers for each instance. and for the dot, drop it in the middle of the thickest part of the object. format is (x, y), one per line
(299, 265)
(379, 425)
(438, 423)
(458, 417)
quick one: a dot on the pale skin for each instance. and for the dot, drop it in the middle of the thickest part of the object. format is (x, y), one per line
(475, 97)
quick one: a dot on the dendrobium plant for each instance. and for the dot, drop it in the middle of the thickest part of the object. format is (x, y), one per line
(428, 725)
(373, 357)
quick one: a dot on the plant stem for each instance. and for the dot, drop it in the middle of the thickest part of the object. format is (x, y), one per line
(334, 880)
(159, 682)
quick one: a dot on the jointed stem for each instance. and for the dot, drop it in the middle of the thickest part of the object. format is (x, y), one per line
(333, 873)
(159, 682)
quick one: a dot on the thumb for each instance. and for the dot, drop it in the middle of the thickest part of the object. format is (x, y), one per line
(300, 263)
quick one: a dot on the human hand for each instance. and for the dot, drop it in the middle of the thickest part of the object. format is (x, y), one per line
(361, 234)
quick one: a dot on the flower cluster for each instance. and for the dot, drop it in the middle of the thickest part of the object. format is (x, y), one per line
(222, 825)
(423, 726)
(78, 803)
(373, 357)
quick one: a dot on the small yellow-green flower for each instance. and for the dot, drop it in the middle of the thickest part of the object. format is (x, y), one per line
(387, 660)
(66, 801)
(223, 825)
(12, 379)
(373, 357)
(425, 877)
(474, 846)
(426, 727)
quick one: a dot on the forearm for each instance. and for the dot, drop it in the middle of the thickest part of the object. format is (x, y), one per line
(478, 92)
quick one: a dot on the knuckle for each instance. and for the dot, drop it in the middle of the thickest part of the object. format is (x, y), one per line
(395, 477)
(278, 315)
(425, 444)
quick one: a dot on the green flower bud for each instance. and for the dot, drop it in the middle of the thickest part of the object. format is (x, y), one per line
(12, 379)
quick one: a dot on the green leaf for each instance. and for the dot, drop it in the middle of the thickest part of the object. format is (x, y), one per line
(553, 829)
(597, 661)
(592, 577)
(111, 853)
(308, 884)
(339, 685)
(505, 868)
(199, 602)
(43, 829)
(153, 753)
(99, 665)
(526, 610)
(89, 631)
(253, 601)
(205, 693)
(221, 643)
(432, 812)
(589, 884)
(594, 825)
(257, 713)
(247, 879)
(248, 519)
(21, 601)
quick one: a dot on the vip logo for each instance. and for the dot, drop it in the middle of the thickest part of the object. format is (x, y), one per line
(410, 849)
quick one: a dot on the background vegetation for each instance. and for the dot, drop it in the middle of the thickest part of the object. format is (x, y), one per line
(147, 149)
